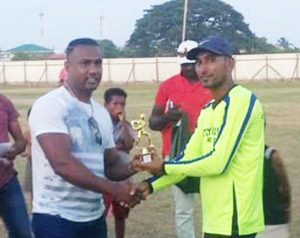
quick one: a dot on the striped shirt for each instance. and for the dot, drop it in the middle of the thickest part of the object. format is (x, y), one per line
(59, 112)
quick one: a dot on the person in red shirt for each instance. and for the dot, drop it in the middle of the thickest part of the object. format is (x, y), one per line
(12, 204)
(181, 96)
(63, 75)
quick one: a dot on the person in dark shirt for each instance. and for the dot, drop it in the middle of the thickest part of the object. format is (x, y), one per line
(276, 195)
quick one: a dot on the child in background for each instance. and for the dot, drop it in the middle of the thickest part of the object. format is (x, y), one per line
(124, 135)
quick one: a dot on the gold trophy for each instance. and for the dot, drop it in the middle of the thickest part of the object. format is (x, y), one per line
(142, 135)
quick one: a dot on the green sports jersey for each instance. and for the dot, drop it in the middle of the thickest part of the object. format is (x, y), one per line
(226, 151)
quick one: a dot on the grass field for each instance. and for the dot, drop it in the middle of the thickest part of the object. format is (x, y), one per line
(154, 217)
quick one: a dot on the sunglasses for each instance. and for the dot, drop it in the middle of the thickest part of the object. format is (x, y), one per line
(95, 129)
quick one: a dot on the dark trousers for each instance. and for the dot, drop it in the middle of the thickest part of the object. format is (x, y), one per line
(48, 226)
(13, 210)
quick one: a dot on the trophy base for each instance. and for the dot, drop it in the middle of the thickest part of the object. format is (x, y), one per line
(147, 158)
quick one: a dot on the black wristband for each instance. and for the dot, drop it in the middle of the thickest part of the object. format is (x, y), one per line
(149, 185)
(163, 168)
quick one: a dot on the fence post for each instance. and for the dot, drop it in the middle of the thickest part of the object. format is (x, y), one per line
(297, 67)
(108, 73)
(3, 73)
(267, 68)
(234, 68)
(25, 73)
(133, 70)
(157, 69)
(46, 71)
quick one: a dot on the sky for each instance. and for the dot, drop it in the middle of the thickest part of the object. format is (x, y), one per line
(63, 20)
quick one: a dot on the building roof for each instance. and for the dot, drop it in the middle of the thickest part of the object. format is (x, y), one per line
(31, 48)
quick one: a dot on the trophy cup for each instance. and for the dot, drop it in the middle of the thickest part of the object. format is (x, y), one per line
(142, 135)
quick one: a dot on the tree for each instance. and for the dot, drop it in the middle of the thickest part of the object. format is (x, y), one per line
(109, 49)
(21, 56)
(159, 32)
(284, 43)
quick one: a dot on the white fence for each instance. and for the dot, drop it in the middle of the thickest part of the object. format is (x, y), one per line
(248, 67)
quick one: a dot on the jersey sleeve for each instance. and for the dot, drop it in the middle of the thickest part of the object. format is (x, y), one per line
(161, 182)
(238, 114)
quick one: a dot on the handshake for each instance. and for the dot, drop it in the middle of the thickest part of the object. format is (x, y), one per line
(130, 194)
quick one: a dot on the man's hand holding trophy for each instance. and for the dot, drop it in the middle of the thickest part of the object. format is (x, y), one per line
(146, 150)
(146, 158)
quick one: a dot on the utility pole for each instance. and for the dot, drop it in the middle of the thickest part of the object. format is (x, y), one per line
(186, 2)
(41, 21)
(101, 18)
(41, 16)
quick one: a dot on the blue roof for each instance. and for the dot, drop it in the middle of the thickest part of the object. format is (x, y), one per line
(30, 48)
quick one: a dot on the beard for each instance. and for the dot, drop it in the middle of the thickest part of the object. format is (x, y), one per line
(190, 75)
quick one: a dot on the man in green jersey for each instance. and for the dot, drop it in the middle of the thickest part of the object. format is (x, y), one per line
(226, 150)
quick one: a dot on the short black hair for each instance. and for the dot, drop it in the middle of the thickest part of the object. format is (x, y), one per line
(109, 93)
(80, 41)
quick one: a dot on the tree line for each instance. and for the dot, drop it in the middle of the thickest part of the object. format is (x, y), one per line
(159, 31)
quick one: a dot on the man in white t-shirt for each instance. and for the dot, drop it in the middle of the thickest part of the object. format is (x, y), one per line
(73, 152)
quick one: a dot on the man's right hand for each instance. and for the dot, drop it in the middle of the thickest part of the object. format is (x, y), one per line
(174, 114)
(142, 192)
(126, 193)
(160, 118)
(144, 189)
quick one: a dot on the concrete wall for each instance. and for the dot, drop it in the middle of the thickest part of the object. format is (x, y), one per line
(248, 67)
(267, 67)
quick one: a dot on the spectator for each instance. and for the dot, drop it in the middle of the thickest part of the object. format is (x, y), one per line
(12, 204)
(124, 135)
(63, 76)
(277, 196)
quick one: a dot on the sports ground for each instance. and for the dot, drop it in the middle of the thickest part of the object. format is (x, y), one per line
(154, 217)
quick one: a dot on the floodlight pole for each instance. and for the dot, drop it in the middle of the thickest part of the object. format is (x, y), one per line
(101, 26)
(184, 19)
(41, 16)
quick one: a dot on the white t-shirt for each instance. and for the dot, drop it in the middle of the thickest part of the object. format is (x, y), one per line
(59, 112)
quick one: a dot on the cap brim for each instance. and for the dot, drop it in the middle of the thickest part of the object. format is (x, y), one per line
(184, 60)
(192, 54)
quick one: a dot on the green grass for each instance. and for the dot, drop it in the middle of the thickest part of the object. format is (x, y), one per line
(154, 217)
